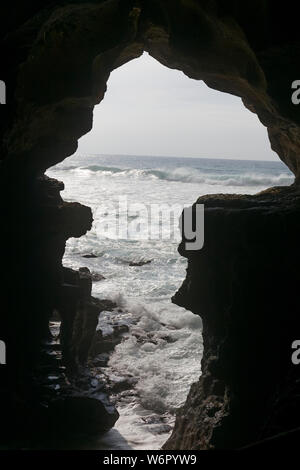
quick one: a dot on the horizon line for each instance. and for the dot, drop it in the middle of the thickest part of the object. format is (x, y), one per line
(174, 156)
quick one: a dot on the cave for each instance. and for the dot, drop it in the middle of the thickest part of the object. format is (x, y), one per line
(243, 283)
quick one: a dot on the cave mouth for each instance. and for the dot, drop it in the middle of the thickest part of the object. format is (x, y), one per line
(56, 80)
(158, 354)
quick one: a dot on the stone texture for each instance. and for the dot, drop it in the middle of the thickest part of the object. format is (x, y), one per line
(243, 283)
(56, 59)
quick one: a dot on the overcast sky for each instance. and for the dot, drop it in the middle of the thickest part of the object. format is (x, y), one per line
(149, 109)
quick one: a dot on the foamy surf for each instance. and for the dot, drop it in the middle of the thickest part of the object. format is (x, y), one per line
(185, 175)
(160, 355)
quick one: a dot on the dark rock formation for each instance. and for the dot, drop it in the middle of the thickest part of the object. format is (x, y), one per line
(79, 312)
(243, 283)
(90, 255)
(52, 388)
(64, 403)
(140, 263)
(96, 277)
(102, 344)
(56, 58)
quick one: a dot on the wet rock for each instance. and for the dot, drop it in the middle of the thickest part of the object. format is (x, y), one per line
(120, 329)
(90, 255)
(160, 428)
(80, 406)
(122, 384)
(143, 337)
(107, 343)
(140, 263)
(165, 337)
(102, 344)
(79, 314)
(153, 419)
(82, 415)
(104, 304)
(156, 424)
(100, 360)
(128, 395)
(96, 277)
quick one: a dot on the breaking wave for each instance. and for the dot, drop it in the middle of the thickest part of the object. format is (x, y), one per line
(188, 175)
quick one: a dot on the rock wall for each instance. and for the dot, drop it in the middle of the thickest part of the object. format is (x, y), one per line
(244, 284)
(56, 60)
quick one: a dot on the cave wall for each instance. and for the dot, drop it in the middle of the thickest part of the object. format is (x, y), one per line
(57, 58)
(243, 284)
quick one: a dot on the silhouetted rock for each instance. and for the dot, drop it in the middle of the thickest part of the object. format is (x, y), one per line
(90, 255)
(241, 283)
(106, 344)
(56, 60)
(140, 263)
(96, 277)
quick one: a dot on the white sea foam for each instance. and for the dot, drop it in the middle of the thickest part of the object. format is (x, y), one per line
(184, 175)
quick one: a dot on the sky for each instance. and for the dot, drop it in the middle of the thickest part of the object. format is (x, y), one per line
(149, 109)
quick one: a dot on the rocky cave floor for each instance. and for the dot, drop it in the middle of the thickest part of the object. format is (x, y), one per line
(82, 399)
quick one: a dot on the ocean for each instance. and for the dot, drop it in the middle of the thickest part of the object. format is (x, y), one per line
(137, 255)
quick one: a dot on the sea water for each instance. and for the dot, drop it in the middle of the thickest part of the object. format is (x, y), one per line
(163, 348)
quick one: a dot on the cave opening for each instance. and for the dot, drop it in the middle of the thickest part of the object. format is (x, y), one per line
(137, 150)
(242, 284)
